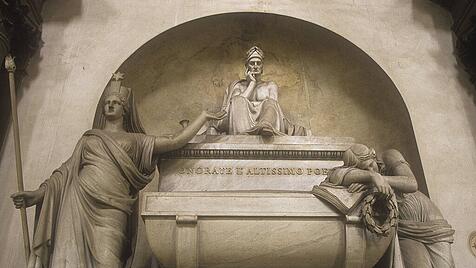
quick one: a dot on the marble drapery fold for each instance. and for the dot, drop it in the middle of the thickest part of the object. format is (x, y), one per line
(425, 236)
(91, 198)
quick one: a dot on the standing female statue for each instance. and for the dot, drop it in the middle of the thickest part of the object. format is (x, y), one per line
(84, 209)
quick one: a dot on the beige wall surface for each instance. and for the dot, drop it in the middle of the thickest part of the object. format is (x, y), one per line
(85, 41)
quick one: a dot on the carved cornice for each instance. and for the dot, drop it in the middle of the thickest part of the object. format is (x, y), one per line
(243, 147)
(255, 154)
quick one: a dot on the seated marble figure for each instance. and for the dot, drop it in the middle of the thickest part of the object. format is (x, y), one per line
(252, 105)
(425, 237)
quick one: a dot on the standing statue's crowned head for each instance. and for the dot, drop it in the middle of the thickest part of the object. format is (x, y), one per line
(118, 101)
(360, 156)
(254, 61)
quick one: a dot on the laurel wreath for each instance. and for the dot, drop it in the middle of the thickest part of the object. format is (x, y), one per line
(379, 213)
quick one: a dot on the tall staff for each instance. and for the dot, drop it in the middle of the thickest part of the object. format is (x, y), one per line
(10, 67)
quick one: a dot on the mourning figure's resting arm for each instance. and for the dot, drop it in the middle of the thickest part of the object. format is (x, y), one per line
(404, 183)
(360, 170)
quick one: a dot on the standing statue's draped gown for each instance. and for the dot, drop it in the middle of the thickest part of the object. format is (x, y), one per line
(85, 217)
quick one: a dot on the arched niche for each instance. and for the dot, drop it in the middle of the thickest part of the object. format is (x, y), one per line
(326, 83)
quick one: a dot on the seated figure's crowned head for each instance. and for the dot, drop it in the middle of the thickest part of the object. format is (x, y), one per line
(254, 52)
(254, 61)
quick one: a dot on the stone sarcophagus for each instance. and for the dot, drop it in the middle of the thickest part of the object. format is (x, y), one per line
(245, 201)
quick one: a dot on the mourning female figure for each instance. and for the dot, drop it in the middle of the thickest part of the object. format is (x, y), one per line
(424, 235)
(84, 209)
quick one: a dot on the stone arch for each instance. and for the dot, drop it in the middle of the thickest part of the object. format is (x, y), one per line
(326, 82)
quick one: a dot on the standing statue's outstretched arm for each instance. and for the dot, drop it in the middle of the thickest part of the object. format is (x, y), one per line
(165, 144)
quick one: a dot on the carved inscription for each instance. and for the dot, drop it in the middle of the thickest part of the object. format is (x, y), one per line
(253, 171)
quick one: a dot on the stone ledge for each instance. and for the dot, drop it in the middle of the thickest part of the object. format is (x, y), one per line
(237, 204)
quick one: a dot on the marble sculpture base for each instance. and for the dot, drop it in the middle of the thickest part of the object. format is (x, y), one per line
(253, 218)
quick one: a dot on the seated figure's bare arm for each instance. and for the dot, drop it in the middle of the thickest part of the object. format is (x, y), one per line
(251, 87)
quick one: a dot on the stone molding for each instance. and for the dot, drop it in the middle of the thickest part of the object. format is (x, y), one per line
(254, 147)
(255, 154)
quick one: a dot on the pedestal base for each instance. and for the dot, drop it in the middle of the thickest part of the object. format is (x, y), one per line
(255, 229)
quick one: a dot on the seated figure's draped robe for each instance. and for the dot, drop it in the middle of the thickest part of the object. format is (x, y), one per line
(249, 116)
(85, 217)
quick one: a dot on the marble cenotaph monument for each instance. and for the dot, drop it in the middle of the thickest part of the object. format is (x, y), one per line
(242, 187)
